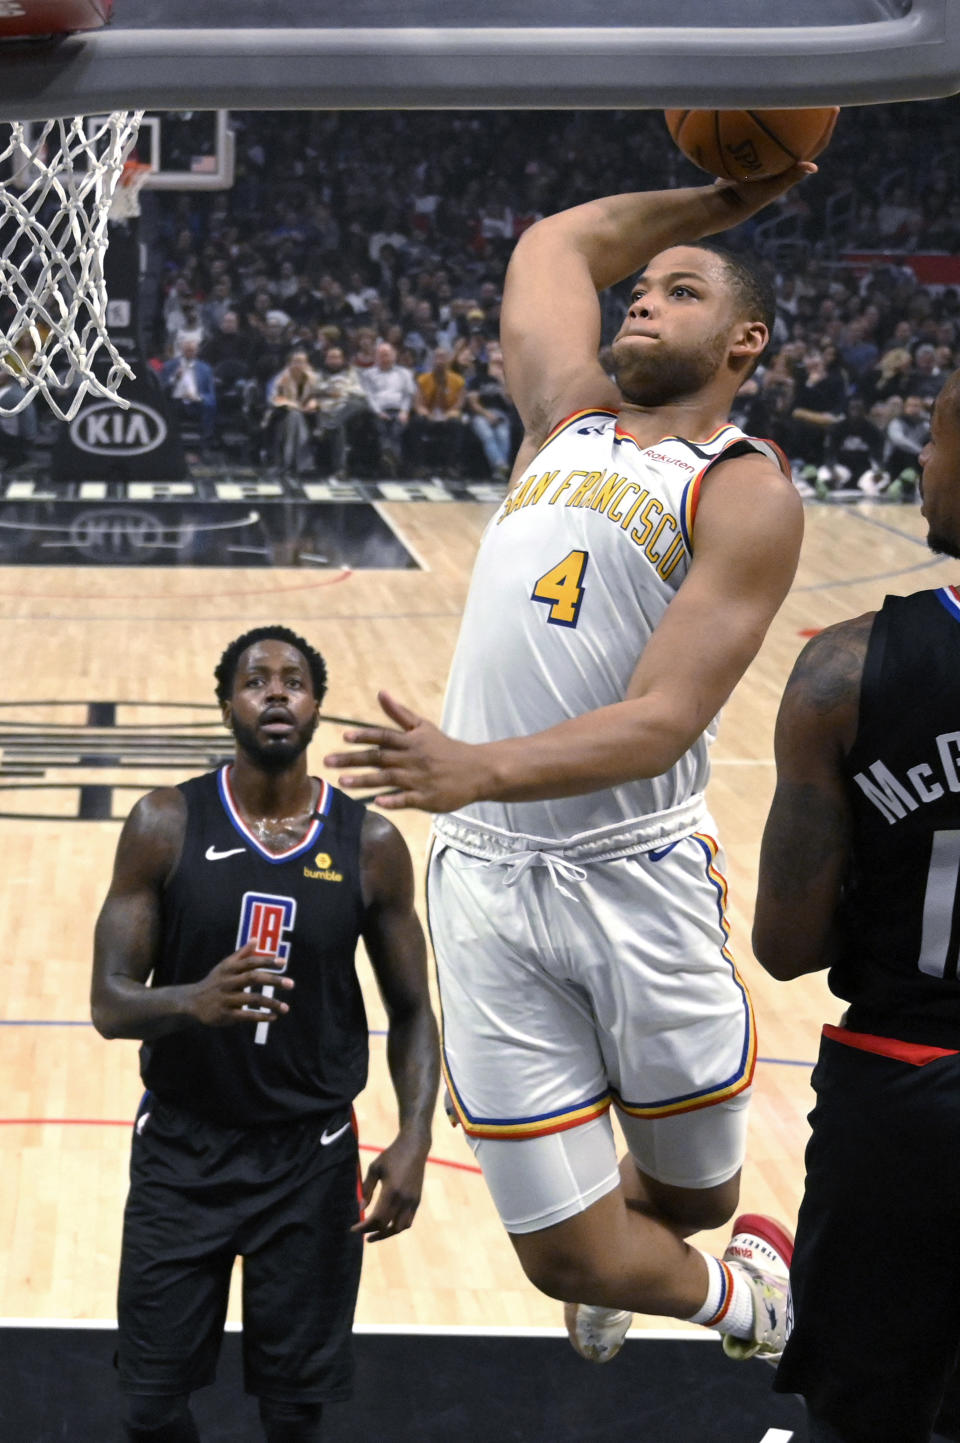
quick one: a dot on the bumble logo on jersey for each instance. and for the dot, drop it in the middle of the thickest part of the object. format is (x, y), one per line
(324, 869)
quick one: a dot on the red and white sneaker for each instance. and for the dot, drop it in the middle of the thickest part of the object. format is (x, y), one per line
(596, 1333)
(761, 1251)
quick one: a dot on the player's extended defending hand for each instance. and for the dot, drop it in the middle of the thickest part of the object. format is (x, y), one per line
(399, 1172)
(223, 998)
(420, 764)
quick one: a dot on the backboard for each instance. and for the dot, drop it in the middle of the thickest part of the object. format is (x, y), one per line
(592, 54)
(185, 150)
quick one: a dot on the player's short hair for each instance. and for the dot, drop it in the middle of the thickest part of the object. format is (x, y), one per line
(754, 292)
(225, 670)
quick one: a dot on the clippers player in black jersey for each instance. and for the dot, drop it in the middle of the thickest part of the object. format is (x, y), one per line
(860, 874)
(226, 944)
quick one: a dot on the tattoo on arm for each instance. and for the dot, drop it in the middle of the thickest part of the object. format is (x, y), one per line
(829, 670)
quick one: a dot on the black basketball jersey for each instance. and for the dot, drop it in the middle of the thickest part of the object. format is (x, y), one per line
(304, 907)
(900, 913)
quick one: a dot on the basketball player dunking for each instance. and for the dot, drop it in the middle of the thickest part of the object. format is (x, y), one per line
(243, 894)
(576, 891)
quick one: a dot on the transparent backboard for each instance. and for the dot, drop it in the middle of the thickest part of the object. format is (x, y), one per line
(595, 54)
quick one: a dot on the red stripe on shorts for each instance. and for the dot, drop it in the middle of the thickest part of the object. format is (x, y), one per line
(916, 1053)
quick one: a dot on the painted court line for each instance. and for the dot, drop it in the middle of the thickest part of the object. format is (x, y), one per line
(420, 1330)
(374, 1032)
(80, 1022)
(343, 573)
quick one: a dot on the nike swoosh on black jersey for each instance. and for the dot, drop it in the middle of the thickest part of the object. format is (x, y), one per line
(326, 1138)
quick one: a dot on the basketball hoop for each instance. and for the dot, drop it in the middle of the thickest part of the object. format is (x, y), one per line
(56, 199)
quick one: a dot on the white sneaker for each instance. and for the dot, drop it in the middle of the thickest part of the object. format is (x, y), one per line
(761, 1251)
(596, 1333)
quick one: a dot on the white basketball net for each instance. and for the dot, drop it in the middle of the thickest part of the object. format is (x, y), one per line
(55, 199)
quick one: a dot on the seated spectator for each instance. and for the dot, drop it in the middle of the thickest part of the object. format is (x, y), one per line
(227, 343)
(291, 399)
(819, 405)
(190, 329)
(857, 350)
(944, 359)
(436, 427)
(189, 383)
(888, 377)
(925, 379)
(492, 414)
(854, 448)
(470, 353)
(286, 281)
(303, 304)
(220, 301)
(391, 390)
(340, 398)
(178, 296)
(769, 408)
(907, 434)
(488, 302)
(364, 348)
(421, 336)
(360, 296)
(271, 347)
(902, 337)
(894, 216)
(260, 311)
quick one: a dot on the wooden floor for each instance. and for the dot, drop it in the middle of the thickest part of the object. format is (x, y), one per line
(150, 636)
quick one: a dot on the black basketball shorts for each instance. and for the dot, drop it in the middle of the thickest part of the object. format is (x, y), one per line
(875, 1276)
(283, 1198)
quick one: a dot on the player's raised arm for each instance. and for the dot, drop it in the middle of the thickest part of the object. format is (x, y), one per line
(127, 936)
(550, 320)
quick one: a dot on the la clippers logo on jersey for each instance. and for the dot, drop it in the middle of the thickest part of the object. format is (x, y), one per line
(264, 919)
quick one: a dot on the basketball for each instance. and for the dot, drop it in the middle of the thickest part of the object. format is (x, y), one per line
(750, 144)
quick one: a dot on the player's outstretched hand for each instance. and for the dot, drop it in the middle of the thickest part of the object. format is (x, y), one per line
(733, 201)
(222, 998)
(413, 764)
(399, 1172)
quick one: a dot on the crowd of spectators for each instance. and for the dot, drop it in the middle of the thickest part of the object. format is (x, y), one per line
(342, 299)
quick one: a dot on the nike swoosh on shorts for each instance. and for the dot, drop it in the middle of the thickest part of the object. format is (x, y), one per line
(212, 855)
(326, 1138)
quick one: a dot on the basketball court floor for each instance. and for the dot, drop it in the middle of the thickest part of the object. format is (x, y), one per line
(108, 691)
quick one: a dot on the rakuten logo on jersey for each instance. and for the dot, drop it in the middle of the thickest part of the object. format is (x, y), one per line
(105, 430)
(670, 460)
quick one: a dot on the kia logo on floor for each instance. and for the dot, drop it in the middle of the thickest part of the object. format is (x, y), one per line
(105, 430)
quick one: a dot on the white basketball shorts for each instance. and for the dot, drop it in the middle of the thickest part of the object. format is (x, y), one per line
(565, 989)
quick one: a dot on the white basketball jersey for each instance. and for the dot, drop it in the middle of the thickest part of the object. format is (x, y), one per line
(573, 573)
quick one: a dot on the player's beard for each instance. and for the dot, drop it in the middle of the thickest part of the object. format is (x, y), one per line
(944, 545)
(939, 542)
(278, 753)
(654, 375)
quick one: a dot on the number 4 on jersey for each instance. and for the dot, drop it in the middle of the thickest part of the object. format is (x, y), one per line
(561, 588)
